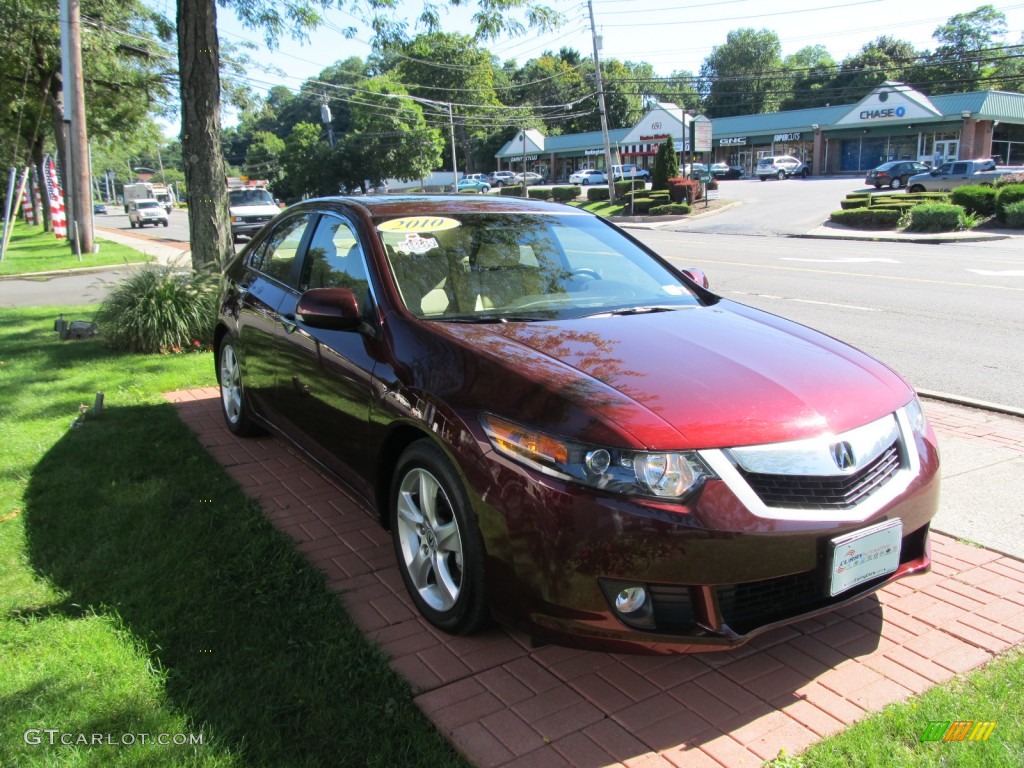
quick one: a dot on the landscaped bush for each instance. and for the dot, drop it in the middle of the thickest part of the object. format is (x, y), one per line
(512, 191)
(936, 217)
(868, 218)
(597, 194)
(850, 204)
(159, 309)
(1012, 193)
(641, 205)
(975, 199)
(627, 186)
(1014, 215)
(566, 194)
(538, 194)
(682, 190)
(672, 209)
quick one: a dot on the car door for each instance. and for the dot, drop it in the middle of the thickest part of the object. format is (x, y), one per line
(271, 272)
(330, 373)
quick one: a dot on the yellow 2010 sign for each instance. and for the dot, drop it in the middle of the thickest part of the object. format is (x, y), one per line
(419, 224)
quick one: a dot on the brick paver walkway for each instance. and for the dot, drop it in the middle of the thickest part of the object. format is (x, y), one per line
(502, 702)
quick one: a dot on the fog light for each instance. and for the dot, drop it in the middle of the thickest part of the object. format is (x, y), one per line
(630, 600)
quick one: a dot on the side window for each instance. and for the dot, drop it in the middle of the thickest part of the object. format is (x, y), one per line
(276, 255)
(335, 260)
(959, 168)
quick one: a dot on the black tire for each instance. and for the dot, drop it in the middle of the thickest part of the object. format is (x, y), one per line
(437, 543)
(233, 403)
(781, 175)
(916, 188)
(805, 173)
(131, 223)
(878, 186)
(584, 182)
(896, 183)
(167, 223)
(763, 178)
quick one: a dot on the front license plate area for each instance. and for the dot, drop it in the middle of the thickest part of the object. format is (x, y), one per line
(864, 555)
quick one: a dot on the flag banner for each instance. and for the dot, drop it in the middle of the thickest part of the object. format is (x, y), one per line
(53, 191)
(26, 201)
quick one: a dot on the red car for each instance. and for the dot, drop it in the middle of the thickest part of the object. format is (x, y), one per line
(565, 432)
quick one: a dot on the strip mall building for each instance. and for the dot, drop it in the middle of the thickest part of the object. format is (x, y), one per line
(893, 122)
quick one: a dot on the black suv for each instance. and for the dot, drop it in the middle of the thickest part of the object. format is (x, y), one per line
(894, 174)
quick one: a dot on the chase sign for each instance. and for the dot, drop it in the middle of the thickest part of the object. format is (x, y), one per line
(890, 113)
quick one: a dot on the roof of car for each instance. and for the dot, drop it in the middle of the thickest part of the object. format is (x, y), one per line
(406, 205)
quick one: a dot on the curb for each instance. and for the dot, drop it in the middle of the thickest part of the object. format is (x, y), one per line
(76, 270)
(939, 240)
(970, 402)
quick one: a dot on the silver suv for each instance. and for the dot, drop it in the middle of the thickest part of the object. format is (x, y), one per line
(781, 167)
(146, 211)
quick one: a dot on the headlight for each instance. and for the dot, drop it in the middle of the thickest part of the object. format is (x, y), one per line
(665, 474)
(916, 417)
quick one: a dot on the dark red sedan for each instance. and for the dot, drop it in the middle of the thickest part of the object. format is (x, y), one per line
(565, 432)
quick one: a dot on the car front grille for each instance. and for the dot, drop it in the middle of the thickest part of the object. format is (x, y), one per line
(821, 492)
(255, 219)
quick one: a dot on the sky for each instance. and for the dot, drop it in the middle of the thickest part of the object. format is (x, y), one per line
(668, 34)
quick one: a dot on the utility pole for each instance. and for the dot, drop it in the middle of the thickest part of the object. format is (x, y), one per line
(601, 108)
(76, 171)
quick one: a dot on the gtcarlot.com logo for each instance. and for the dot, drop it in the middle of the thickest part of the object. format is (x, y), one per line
(57, 737)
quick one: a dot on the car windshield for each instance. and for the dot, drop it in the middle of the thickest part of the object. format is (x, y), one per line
(250, 197)
(149, 204)
(497, 267)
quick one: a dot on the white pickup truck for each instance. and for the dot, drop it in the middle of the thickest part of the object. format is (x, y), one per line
(958, 173)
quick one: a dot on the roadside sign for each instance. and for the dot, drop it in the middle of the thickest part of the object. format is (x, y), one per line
(705, 177)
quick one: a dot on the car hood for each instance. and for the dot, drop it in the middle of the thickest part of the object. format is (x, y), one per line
(265, 209)
(702, 377)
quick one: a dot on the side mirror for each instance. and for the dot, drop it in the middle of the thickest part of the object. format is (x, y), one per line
(698, 276)
(333, 309)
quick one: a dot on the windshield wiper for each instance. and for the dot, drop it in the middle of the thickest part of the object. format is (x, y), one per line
(641, 310)
(489, 319)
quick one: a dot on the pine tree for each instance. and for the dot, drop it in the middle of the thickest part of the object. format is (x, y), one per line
(665, 165)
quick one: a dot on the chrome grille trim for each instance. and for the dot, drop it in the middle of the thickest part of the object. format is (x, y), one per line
(721, 462)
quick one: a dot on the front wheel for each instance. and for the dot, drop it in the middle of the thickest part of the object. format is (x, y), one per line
(896, 183)
(584, 182)
(916, 188)
(437, 542)
(232, 393)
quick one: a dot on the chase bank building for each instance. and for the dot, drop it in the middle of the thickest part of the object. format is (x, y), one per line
(893, 122)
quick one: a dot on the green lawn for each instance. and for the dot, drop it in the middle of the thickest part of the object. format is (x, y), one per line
(142, 593)
(30, 249)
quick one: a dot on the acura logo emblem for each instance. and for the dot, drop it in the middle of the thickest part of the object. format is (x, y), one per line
(842, 455)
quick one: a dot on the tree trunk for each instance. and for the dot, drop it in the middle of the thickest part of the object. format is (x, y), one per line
(199, 66)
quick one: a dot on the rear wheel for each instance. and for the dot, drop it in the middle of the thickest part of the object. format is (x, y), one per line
(781, 175)
(584, 182)
(437, 542)
(896, 183)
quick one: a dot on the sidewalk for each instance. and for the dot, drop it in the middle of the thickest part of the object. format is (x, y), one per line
(832, 231)
(502, 702)
(164, 251)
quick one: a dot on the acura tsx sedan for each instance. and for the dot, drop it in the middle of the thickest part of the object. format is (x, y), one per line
(565, 432)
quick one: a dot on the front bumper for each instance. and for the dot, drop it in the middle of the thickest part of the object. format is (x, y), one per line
(716, 574)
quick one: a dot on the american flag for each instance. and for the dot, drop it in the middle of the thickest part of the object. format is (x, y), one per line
(56, 196)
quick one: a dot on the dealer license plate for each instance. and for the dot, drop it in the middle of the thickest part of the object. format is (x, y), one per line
(865, 555)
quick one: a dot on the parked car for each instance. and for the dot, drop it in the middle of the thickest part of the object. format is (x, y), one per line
(99, 208)
(562, 430)
(531, 178)
(586, 176)
(474, 185)
(781, 167)
(894, 174)
(726, 171)
(501, 178)
(692, 171)
(478, 177)
(143, 212)
(624, 172)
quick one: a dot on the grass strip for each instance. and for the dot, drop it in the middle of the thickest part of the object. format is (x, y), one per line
(142, 593)
(32, 250)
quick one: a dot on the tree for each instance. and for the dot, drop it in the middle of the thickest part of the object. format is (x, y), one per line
(810, 72)
(963, 61)
(665, 165)
(744, 76)
(885, 58)
(263, 157)
(198, 61)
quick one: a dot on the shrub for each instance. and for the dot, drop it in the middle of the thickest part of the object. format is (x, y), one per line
(512, 191)
(1011, 193)
(975, 199)
(596, 194)
(867, 218)
(1014, 215)
(666, 166)
(623, 188)
(936, 217)
(1011, 178)
(642, 205)
(682, 190)
(538, 194)
(160, 309)
(566, 194)
(672, 209)
(851, 204)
